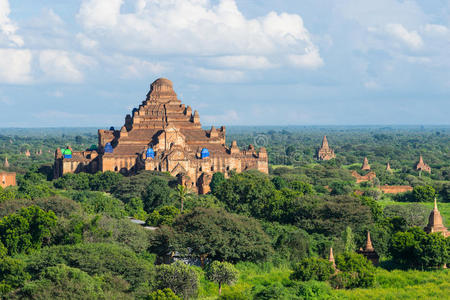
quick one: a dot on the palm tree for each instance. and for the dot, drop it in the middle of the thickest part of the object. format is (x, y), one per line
(182, 192)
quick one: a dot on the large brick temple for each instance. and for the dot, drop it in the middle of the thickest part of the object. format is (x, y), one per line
(163, 135)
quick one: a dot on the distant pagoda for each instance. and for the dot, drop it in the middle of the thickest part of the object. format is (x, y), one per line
(369, 251)
(325, 152)
(365, 166)
(435, 222)
(331, 259)
(421, 166)
(6, 164)
(388, 167)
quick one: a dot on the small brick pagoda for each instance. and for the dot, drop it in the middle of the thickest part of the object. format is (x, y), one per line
(163, 134)
(369, 252)
(365, 165)
(435, 222)
(421, 166)
(325, 152)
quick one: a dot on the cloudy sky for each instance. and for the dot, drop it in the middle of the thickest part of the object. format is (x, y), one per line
(238, 62)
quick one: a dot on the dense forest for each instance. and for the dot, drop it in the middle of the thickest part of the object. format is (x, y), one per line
(254, 236)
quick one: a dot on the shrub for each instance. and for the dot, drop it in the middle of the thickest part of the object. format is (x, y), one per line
(312, 269)
(179, 277)
(63, 282)
(355, 271)
(222, 273)
(423, 193)
(164, 216)
(165, 294)
(12, 274)
(310, 290)
(95, 259)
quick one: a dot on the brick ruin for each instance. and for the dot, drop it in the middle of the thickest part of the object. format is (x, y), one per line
(395, 189)
(365, 165)
(7, 179)
(163, 134)
(421, 166)
(362, 178)
(325, 152)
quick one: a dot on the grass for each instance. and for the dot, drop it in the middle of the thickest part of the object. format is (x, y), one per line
(404, 285)
(444, 208)
(395, 284)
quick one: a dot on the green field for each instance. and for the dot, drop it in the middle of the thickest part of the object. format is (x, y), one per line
(444, 208)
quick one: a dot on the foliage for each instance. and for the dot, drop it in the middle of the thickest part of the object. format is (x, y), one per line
(354, 271)
(312, 269)
(165, 294)
(179, 277)
(222, 273)
(26, 230)
(218, 235)
(157, 193)
(12, 274)
(63, 282)
(217, 179)
(163, 216)
(98, 202)
(135, 209)
(95, 259)
(423, 193)
(416, 249)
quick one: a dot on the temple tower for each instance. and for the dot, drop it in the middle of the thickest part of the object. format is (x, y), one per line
(435, 222)
(421, 166)
(388, 167)
(331, 259)
(365, 166)
(325, 152)
(6, 164)
(369, 251)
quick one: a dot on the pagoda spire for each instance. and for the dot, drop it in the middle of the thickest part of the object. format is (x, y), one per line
(365, 165)
(369, 246)
(6, 164)
(331, 258)
(388, 167)
(325, 142)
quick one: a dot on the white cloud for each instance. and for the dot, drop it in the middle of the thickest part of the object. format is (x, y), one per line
(15, 66)
(216, 75)
(7, 27)
(410, 38)
(197, 28)
(310, 60)
(86, 43)
(242, 62)
(436, 29)
(63, 66)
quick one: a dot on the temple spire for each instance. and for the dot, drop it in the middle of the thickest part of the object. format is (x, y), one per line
(365, 165)
(369, 246)
(324, 142)
(435, 203)
(331, 258)
(6, 164)
(388, 167)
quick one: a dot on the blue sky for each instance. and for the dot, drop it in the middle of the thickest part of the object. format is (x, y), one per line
(352, 62)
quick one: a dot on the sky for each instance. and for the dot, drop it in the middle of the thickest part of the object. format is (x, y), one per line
(238, 62)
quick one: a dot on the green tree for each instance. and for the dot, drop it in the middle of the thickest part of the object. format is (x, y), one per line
(349, 240)
(222, 273)
(165, 294)
(156, 194)
(218, 235)
(63, 282)
(105, 181)
(26, 230)
(12, 274)
(181, 193)
(279, 182)
(302, 187)
(135, 209)
(312, 269)
(216, 180)
(163, 216)
(416, 249)
(179, 277)
(355, 271)
(424, 193)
